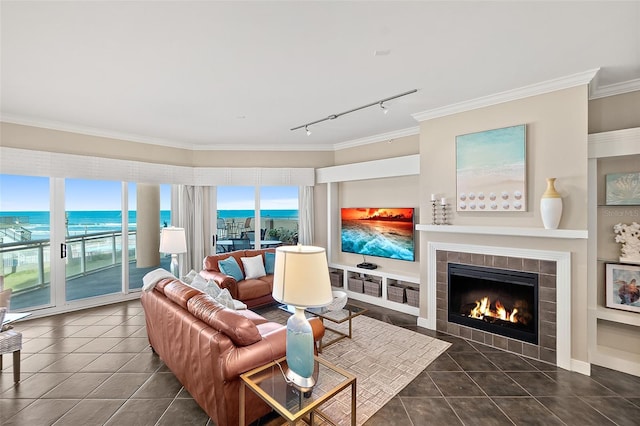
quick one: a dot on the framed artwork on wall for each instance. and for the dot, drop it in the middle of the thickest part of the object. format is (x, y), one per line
(622, 189)
(491, 170)
(623, 286)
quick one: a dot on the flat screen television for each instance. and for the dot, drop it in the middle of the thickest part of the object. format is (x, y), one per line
(380, 232)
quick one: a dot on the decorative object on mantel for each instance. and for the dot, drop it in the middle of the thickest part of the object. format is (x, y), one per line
(443, 206)
(623, 287)
(629, 236)
(551, 206)
(434, 213)
(491, 170)
(623, 189)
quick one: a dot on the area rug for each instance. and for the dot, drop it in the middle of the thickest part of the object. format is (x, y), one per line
(383, 357)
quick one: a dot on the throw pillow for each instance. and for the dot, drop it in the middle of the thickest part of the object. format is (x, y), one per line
(253, 266)
(189, 277)
(220, 295)
(238, 305)
(269, 262)
(199, 282)
(229, 266)
(224, 298)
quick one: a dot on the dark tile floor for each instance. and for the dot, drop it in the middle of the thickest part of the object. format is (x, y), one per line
(94, 367)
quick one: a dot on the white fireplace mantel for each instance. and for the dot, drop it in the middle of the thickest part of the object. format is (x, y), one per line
(506, 230)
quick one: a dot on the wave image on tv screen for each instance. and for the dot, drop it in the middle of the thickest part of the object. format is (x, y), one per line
(381, 232)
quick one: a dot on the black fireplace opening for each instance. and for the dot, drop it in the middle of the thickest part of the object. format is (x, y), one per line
(499, 301)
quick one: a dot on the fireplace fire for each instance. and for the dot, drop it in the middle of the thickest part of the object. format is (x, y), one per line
(500, 301)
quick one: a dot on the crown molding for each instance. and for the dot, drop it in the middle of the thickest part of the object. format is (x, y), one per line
(91, 131)
(598, 92)
(382, 137)
(279, 147)
(510, 95)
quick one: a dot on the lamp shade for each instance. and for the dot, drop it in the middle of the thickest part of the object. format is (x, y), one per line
(301, 276)
(173, 241)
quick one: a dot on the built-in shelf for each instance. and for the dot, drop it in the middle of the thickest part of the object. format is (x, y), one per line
(506, 230)
(609, 152)
(616, 315)
(386, 277)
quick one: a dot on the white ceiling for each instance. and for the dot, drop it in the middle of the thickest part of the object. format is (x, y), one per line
(208, 75)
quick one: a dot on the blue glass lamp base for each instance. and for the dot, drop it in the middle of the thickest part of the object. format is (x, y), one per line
(175, 267)
(300, 351)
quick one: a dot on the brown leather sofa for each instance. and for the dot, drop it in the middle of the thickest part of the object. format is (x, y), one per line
(253, 292)
(208, 346)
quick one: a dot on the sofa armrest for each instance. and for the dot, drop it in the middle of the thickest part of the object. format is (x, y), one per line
(244, 358)
(223, 281)
(273, 346)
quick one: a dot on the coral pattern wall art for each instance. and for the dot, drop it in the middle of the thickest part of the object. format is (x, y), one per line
(491, 170)
(623, 189)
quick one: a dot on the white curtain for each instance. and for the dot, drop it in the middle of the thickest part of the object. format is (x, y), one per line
(305, 210)
(192, 212)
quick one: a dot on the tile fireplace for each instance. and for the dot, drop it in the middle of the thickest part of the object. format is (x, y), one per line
(499, 301)
(553, 268)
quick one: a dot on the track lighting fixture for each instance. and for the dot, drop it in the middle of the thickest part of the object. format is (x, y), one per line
(334, 116)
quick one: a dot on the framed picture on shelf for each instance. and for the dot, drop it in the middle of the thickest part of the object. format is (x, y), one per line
(623, 286)
(622, 189)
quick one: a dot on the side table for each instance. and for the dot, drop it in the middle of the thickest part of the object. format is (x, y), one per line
(268, 382)
(348, 313)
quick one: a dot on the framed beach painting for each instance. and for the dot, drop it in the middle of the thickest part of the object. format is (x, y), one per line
(622, 189)
(623, 286)
(491, 170)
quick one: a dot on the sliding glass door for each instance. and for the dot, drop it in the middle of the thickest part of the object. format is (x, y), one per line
(279, 215)
(236, 218)
(136, 271)
(25, 249)
(93, 224)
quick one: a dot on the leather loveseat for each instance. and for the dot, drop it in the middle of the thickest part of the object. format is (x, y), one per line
(254, 292)
(208, 346)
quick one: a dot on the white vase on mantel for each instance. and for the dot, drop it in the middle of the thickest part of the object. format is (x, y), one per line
(551, 206)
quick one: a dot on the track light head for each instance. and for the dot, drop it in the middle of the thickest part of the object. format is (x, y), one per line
(380, 103)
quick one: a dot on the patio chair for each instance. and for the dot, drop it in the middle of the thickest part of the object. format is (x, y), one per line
(222, 228)
(10, 342)
(240, 243)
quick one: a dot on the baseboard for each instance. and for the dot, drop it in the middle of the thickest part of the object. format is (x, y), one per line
(581, 367)
(424, 323)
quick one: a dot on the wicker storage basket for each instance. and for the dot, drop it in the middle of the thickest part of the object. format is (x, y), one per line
(356, 284)
(396, 293)
(413, 296)
(336, 279)
(372, 288)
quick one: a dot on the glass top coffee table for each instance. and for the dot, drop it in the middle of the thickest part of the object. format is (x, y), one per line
(269, 383)
(348, 313)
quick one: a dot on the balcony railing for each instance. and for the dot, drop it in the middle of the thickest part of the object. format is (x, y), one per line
(26, 264)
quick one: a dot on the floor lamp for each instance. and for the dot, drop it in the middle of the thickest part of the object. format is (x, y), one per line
(301, 279)
(173, 241)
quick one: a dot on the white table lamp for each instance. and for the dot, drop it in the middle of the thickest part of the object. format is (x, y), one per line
(301, 279)
(173, 241)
